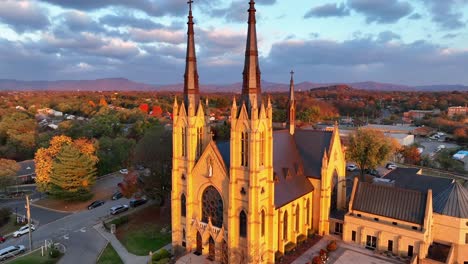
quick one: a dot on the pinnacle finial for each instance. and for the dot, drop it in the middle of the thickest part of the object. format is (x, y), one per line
(190, 2)
(292, 74)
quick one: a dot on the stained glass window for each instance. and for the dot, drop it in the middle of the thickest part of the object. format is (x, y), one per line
(212, 206)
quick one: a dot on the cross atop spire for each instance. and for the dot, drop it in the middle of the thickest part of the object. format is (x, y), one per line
(251, 87)
(191, 86)
(291, 87)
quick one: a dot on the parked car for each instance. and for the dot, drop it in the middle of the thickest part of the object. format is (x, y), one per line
(11, 251)
(123, 171)
(137, 202)
(351, 167)
(372, 172)
(117, 195)
(23, 230)
(2, 239)
(118, 209)
(391, 166)
(95, 204)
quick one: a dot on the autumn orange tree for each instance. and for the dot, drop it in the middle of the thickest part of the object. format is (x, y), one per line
(67, 168)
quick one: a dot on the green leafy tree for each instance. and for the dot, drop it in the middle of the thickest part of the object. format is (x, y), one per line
(369, 148)
(114, 154)
(154, 151)
(8, 170)
(73, 173)
(445, 161)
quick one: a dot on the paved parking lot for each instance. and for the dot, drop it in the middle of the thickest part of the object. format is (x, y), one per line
(430, 146)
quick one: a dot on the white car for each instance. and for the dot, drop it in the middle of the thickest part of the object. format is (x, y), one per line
(23, 230)
(118, 209)
(11, 251)
(391, 166)
(123, 171)
(351, 167)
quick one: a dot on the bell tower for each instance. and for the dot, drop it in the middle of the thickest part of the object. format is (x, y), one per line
(250, 215)
(291, 122)
(190, 136)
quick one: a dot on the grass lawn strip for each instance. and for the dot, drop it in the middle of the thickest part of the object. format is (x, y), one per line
(109, 256)
(143, 240)
(146, 230)
(35, 258)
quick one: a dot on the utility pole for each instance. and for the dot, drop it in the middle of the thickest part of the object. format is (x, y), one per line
(28, 212)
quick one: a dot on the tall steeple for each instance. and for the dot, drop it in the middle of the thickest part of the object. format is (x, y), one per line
(251, 87)
(191, 89)
(291, 122)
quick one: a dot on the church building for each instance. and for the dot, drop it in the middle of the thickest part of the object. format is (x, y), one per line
(243, 200)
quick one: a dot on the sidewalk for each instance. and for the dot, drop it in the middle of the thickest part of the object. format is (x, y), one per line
(126, 257)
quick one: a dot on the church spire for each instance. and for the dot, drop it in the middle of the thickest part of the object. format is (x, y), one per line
(251, 87)
(291, 122)
(191, 89)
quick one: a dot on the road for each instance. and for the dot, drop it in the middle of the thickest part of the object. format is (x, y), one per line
(40, 216)
(75, 231)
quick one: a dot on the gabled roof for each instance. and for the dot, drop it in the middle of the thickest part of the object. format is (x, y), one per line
(290, 181)
(408, 178)
(453, 201)
(311, 145)
(27, 167)
(387, 201)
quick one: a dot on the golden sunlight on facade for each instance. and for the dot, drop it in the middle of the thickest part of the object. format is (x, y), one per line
(244, 200)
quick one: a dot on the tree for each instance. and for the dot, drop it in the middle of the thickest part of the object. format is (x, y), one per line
(114, 154)
(66, 165)
(369, 149)
(411, 154)
(73, 173)
(8, 170)
(154, 151)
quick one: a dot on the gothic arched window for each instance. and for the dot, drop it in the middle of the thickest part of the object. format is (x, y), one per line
(308, 212)
(183, 144)
(297, 218)
(244, 149)
(199, 141)
(262, 148)
(285, 226)
(263, 222)
(212, 206)
(242, 224)
(183, 205)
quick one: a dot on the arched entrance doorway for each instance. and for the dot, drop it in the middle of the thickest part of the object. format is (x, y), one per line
(211, 249)
(199, 244)
(212, 206)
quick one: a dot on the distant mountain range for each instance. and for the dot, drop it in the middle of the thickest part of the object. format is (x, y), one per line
(121, 84)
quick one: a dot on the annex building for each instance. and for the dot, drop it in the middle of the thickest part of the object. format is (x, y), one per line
(244, 200)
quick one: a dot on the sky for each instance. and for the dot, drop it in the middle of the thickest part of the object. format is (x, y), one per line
(412, 42)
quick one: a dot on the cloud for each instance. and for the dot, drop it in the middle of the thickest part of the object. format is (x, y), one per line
(23, 15)
(415, 16)
(368, 59)
(151, 7)
(386, 36)
(128, 20)
(447, 13)
(157, 35)
(381, 11)
(328, 10)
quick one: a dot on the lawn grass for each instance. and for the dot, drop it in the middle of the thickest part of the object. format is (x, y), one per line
(35, 258)
(143, 240)
(109, 256)
(9, 227)
(142, 233)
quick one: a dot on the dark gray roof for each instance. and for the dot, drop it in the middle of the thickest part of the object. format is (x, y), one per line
(290, 181)
(453, 201)
(224, 148)
(387, 201)
(27, 167)
(408, 178)
(311, 145)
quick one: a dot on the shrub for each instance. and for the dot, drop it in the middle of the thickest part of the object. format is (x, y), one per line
(332, 246)
(163, 261)
(301, 239)
(160, 255)
(323, 252)
(317, 260)
(289, 247)
(310, 233)
(278, 256)
(120, 221)
(54, 252)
